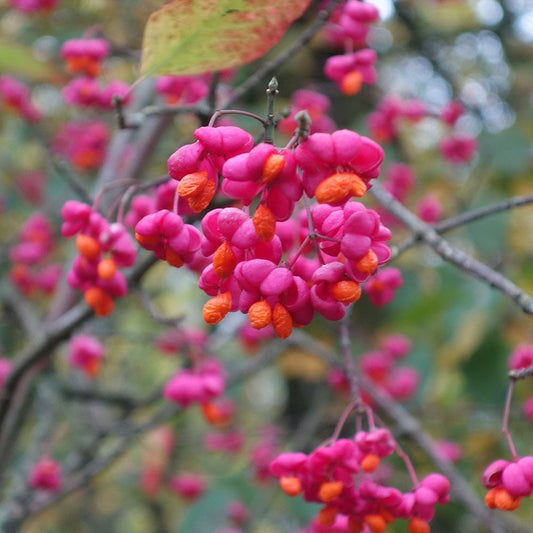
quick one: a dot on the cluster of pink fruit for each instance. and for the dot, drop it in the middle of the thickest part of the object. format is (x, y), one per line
(340, 477)
(277, 269)
(103, 248)
(32, 269)
(84, 57)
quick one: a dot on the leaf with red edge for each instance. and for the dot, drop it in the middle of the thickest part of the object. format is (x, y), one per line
(186, 37)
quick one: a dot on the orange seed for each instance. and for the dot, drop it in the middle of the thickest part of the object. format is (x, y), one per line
(224, 260)
(217, 308)
(272, 167)
(192, 184)
(98, 299)
(351, 83)
(107, 268)
(330, 490)
(376, 523)
(417, 525)
(264, 223)
(201, 200)
(370, 462)
(326, 516)
(505, 501)
(260, 314)
(338, 187)
(345, 291)
(87, 246)
(290, 485)
(173, 258)
(368, 263)
(282, 321)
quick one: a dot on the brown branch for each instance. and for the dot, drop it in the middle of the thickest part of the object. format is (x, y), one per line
(466, 218)
(442, 247)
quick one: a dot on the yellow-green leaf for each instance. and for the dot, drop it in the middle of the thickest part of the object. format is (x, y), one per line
(19, 60)
(186, 37)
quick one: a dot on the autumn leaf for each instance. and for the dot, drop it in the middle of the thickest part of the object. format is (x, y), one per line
(186, 37)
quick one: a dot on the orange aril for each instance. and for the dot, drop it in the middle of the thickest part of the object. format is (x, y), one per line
(282, 321)
(87, 246)
(346, 291)
(290, 485)
(264, 223)
(217, 308)
(272, 167)
(224, 260)
(260, 314)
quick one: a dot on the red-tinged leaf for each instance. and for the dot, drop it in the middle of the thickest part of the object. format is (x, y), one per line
(186, 37)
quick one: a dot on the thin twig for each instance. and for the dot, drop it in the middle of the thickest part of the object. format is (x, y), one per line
(468, 217)
(521, 373)
(442, 247)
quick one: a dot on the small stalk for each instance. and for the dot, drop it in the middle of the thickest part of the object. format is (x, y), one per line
(271, 92)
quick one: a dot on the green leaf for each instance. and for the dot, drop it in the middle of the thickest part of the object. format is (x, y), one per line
(186, 37)
(18, 59)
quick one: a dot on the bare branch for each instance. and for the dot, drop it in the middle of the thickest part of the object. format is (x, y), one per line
(442, 247)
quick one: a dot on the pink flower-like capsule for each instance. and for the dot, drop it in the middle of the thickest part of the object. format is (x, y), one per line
(382, 287)
(400, 180)
(86, 352)
(168, 237)
(201, 384)
(332, 291)
(230, 441)
(196, 166)
(378, 442)
(114, 89)
(5, 369)
(376, 365)
(189, 486)
(429, 209)
(451, 112)
(185, 89)
(82, 143)
(32, 186)
(527, 408)
(357, 233)
(350, 71)
(273, 295)
(16, 96)
(350, 22)
(521, 357)
(402, 383)
(75, 217)
(288, 468)
(266, 170)
(32, 6)
(321, 156)
(458, 149)
(396, 345)
(450, 450)
(383, 123)
(317, 106)
(83, 92)
(46, 475)
(36, 240)
(84, 56)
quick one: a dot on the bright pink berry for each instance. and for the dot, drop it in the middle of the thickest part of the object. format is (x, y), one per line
(189, 486)
(458, 149)
(86, 353)
(382, 287)
(46, 475)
